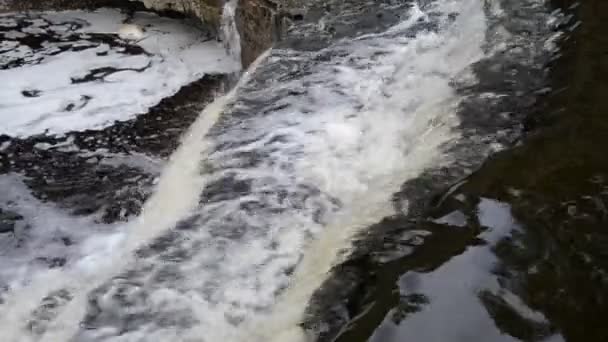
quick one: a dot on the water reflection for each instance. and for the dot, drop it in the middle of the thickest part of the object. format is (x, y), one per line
(460, 300)
(547, 278)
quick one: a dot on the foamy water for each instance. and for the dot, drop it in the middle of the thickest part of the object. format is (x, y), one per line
(266, 191)
(84, 77)
(229, 32)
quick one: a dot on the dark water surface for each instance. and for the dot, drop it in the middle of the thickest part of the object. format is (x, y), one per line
(554, 187)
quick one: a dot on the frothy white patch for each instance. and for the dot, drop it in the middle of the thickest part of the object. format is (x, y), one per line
(104, 256)
(39, 235)
(45, 235)
(126, 83)
(130, 31)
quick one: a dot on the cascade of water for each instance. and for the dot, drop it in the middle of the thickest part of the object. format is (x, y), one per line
(268, 187)
(228, 30)
(176, 195)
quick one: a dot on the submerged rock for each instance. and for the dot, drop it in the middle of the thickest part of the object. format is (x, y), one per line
(8, 220)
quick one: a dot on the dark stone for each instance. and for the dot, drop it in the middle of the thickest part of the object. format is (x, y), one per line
(6, 226)
(259, 25)
(31, 93)
(8, 220)
(84, 184)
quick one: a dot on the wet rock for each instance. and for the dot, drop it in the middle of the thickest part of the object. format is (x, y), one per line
(109, 171)
(259, 24)
(208, 11)
(38, 5)
(52, 262)
(8, 220)
(6, 227)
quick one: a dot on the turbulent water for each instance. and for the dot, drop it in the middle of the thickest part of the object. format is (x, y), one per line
(275, 178)
(229, 31)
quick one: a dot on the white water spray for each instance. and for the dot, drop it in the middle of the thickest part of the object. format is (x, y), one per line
(176, 195)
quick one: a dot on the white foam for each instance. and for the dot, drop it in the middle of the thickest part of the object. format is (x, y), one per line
(42, 231)
(178, 55)
(175, 196)
(130, 31)
(46, 232)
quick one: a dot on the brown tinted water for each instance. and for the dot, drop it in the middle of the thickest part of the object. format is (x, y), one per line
(554, 187)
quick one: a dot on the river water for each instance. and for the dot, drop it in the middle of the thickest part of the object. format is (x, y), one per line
(327, 196)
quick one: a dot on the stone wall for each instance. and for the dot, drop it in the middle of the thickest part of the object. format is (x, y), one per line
(208, 11)
(259, 22)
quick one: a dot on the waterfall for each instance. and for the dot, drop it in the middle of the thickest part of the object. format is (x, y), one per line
(270, 185)
(229, 33)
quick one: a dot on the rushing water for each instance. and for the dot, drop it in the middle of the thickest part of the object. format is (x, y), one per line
(229, 32)
(544, 280)
(326, 135)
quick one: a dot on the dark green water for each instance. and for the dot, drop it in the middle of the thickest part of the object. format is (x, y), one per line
(555, 185)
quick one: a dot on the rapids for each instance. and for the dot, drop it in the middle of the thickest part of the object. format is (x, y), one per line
(271, 183)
